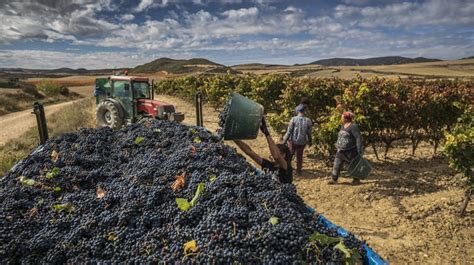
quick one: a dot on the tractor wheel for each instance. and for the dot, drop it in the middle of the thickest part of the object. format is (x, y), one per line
(107, 115)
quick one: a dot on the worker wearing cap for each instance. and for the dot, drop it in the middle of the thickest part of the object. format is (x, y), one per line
(349, 145)
(299, 135)
(304, 102)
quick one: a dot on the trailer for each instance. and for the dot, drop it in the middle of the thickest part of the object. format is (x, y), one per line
(371, 257)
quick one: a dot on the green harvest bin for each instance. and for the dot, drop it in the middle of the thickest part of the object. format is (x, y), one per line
(359, 168)
(243, 119)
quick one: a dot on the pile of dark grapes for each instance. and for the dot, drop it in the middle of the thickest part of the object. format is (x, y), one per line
(222, 119)
(106, 196)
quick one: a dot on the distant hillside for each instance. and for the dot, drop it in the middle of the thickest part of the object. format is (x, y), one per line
(222, 70)
(256, 66)
(60, 72)
(470, 57)
(388, 60)
(175, 66)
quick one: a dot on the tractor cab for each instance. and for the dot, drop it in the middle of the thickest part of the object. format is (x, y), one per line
(123, 99)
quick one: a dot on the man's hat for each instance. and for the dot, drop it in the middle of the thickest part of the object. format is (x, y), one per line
(300, 108)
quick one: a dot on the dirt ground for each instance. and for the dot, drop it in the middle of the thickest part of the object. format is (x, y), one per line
(406, 211)
(15, 124)
(84, 91)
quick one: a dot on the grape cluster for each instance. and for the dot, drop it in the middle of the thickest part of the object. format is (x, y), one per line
(110, 200)
(222, 119)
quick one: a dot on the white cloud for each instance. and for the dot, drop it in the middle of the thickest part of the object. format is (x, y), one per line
(242, 13)
(198, 2)
(147, 4)
(292, 9)
(34, 20)
(127, 17)
(143, 5)
(52, 59)
(410, 14)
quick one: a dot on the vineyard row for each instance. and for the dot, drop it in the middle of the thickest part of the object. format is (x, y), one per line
(386, 110)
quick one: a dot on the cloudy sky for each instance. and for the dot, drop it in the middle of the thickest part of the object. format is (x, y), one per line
(125, 33)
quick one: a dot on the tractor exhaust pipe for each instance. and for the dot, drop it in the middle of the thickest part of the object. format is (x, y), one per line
(38, 110)
(198, 101)
(152, 89)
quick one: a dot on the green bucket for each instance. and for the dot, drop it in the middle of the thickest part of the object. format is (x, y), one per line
(243, 119)
(359, 168)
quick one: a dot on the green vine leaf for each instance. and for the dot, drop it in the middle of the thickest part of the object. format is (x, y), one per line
(323, 239)
(199, 189)
(273, 220)
(138, 140)
(26, 181)
(183, 204)
(68, 207)
(212, 177)
(53, 173)
(351, 257)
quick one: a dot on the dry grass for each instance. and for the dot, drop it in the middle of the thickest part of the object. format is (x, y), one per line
(458, 68)
(444, 69)
(70, 119)
(15, 101)
(86, 81)
(12, 100)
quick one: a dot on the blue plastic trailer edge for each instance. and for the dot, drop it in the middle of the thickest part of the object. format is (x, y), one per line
(371, 258)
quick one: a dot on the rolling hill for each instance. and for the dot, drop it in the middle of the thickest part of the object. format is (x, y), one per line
(175, 66)
(256, 66)
(387, 60)
(24, 72)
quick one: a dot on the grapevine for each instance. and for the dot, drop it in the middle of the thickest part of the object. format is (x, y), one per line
(387, 110)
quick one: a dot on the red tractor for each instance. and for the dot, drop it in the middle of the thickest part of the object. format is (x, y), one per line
(122, 100)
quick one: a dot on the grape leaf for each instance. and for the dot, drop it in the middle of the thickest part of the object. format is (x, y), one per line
(183, 204)
(343, 249)
(100, 193)
(273, 220)
(199, 189)
(138, 140)
(351, 257)
(190, 246)
(68, 207)
(40, 201)
(54, 156)
(197, 140)
(111, 236)
(52, 173)
(26, 181)
(179, 182)
(57, 189)
(324, 239)
(212, 177)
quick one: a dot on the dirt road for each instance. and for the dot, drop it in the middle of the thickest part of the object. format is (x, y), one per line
(406, 211)
(15, 124)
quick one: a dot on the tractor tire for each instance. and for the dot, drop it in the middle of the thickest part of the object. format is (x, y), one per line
(108, 115)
